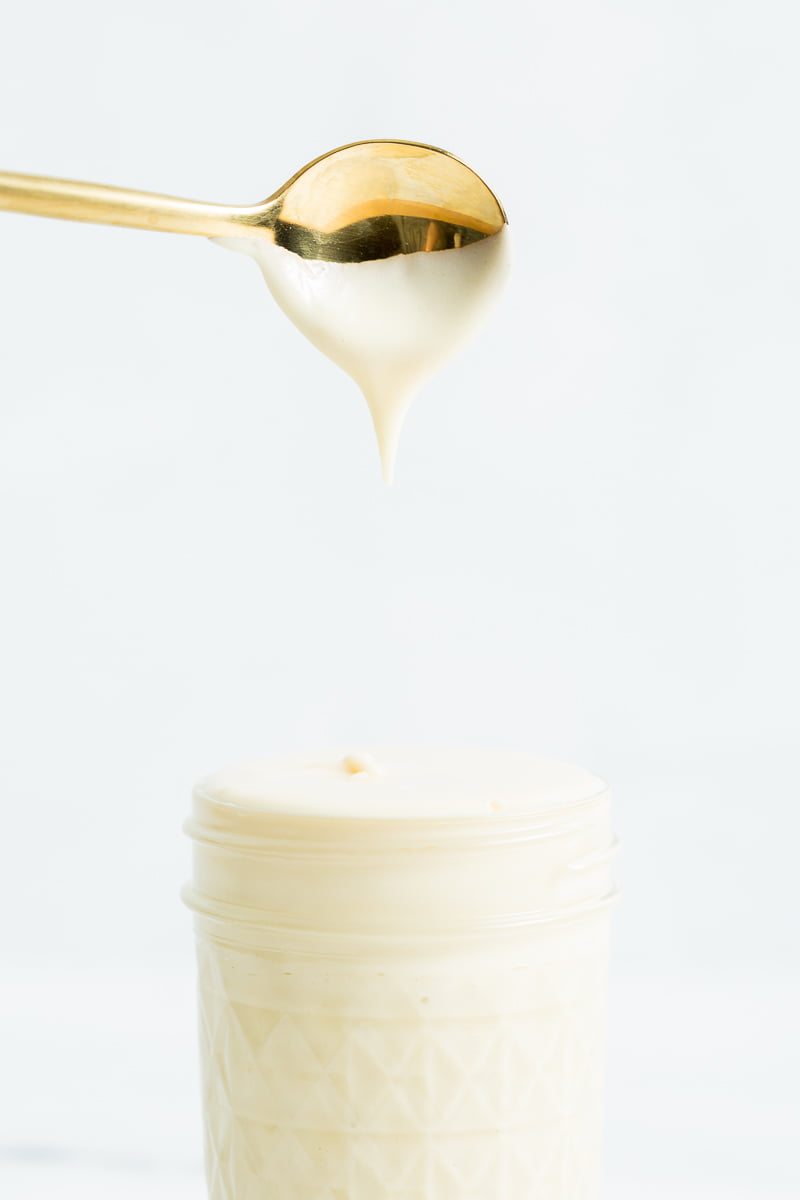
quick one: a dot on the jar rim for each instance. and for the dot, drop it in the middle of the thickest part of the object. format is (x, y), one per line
(475, 869)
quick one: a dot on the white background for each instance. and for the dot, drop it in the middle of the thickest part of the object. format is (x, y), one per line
(590, 550)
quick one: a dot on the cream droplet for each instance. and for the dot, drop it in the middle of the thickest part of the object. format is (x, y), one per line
(360, 765)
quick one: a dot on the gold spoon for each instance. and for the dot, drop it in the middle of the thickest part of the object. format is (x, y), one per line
(363, 201)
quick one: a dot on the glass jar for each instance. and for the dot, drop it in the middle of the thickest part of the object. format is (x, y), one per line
(405, 1008)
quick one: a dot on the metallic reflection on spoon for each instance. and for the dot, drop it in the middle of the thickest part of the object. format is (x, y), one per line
(365, 201)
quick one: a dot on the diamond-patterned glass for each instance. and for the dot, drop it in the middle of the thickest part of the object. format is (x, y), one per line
(472, 1074)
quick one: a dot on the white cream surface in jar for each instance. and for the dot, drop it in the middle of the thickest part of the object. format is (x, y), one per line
(403, 783)
(391, 323)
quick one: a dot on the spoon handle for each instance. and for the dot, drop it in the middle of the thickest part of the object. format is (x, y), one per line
(103, 205)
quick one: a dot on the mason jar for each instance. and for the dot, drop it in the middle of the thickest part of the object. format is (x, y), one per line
(402, 996)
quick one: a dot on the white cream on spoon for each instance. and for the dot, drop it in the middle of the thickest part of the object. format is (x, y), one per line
(389, 323)
(385, 253)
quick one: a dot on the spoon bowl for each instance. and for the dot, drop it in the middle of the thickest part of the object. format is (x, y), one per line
(364, 201)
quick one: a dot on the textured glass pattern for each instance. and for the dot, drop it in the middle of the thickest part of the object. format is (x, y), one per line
(472, 1073)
